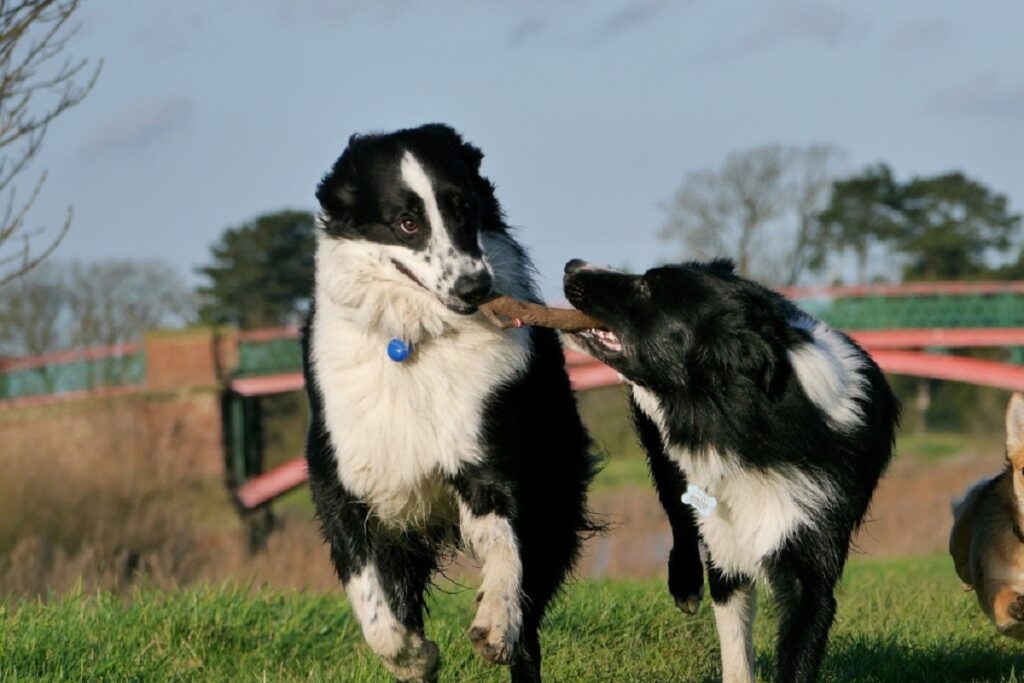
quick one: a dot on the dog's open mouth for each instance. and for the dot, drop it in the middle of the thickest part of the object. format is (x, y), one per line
(602, 339)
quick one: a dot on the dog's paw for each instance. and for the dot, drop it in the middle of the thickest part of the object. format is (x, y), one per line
(496, 650)
(419, 662)
(1016, 608)
(496, 629)
(689, 604)
(686, 581)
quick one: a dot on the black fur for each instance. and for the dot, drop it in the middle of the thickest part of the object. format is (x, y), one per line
(537, 454)
(712, 347)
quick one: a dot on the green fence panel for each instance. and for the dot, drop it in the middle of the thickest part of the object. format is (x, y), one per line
(63, 378)
(896, 312)
(268, 357)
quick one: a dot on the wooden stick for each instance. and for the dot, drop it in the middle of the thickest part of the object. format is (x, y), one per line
(506, 312)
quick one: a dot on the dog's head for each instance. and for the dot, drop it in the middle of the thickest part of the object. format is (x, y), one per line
(694, 325)
(417, 197)
(1015, 439)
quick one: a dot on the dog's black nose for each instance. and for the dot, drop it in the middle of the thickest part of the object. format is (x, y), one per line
(474, 288)
(575, 265)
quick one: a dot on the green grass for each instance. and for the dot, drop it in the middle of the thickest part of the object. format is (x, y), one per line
(934, 446)
(901, 620)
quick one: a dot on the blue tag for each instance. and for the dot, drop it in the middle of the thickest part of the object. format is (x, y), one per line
(399, 349)
(703, 503)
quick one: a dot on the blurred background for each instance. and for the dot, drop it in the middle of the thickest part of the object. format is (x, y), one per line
(157, 168)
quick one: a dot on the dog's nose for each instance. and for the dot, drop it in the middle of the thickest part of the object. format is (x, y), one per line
(575, 265)
(474, 288)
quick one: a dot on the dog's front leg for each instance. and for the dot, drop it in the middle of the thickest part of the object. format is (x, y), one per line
(685, 570)
(384, 581)
(393, 636)
(487, 532)
(735, 604)
(807, 608)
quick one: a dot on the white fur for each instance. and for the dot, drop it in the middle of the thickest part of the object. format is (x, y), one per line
(397, 428)
(831, 372)
(734, 621)
(407, 654)
(493, 542)
(757, 511)
(426, 265)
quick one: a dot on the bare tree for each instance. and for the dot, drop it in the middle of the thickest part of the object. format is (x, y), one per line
(718, 213)
(111, 302)
(812, 171)
(38, 83)
(89, 304)
(760, 209)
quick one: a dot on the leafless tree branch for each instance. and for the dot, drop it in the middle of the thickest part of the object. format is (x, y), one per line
(36, 86)
(759, 208)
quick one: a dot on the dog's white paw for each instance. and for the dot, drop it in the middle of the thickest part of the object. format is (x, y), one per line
(495, 630)
(416, 662)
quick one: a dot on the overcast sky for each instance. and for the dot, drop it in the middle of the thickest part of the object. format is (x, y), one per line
(589, 113)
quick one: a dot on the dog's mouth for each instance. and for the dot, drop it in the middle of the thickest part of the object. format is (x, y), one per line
(406, 272)
(601, 339)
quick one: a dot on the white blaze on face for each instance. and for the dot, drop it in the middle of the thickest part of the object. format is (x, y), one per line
(441, 263)
(419, 182)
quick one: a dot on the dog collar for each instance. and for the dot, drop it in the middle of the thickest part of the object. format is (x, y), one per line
(399, 350)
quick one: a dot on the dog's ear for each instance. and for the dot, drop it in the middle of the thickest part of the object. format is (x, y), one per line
(471, 155)
(760, 360)
(1015, 424)
(723, 267)
(337, 191)
(493, 218)
(747, 354)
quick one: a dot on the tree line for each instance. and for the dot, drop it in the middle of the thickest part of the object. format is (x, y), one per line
(786, 215)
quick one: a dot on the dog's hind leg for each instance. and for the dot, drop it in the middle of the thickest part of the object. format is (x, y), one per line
(685, 571)
(735, 605)
(807, 608)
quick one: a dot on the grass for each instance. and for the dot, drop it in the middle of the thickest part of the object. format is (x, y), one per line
(935, 446)
(903, 620)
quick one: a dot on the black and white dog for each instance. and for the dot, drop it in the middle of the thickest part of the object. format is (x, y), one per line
(772, 426)
(471, 432)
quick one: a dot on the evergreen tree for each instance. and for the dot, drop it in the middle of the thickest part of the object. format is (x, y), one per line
(261, 272)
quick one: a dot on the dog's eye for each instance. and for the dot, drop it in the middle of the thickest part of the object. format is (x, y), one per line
(409, 226)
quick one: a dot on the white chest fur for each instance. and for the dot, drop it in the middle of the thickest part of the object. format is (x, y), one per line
(397, 428)
(756, 511)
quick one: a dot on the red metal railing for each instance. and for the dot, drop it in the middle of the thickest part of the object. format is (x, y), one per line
(587, 373)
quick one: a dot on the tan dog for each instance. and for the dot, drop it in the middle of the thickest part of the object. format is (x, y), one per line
(987, 543)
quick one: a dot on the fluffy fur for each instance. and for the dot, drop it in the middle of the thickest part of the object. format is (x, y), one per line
(474, 439)
(787, 423)
(986, 541)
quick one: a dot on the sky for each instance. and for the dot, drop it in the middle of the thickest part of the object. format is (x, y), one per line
(590, 114)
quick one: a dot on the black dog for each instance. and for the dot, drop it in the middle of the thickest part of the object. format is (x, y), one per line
(771, 426)
(428, 422)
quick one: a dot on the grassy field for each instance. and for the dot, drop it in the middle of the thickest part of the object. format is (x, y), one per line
(903, 620)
